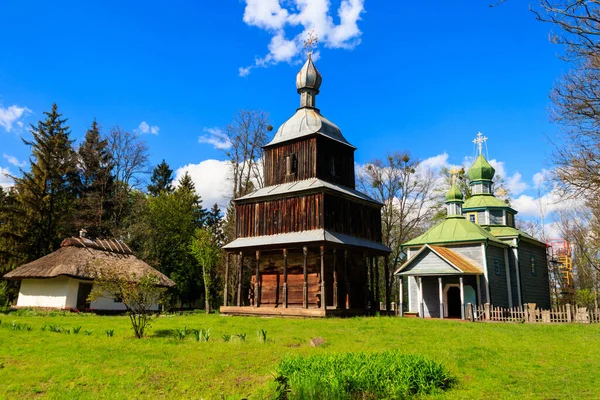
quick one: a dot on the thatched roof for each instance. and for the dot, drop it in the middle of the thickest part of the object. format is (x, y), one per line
(84, 258)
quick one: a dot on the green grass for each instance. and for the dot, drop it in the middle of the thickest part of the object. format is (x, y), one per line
(347, 376)
(489, 360)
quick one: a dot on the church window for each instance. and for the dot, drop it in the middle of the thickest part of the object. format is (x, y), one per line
(532, 262)
(473, 218)
(497, 269)
(332, 166)
(276, 221)
(290, 164)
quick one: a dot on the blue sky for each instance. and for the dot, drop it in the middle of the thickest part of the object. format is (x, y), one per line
(403, 76)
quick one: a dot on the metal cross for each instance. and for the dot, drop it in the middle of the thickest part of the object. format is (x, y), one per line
(311, 41)
(454, 171)
(480, 140)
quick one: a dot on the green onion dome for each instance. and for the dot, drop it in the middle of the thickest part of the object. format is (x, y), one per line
(454, 194)
(481, 170)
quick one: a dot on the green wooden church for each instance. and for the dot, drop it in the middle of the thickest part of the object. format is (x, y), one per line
(476, 255)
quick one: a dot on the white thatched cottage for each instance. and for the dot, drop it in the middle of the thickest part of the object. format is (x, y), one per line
(65, 278)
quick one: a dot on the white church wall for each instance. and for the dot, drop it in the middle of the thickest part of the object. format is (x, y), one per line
(50, 292)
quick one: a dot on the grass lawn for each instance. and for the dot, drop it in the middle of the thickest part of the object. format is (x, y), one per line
(490, 360)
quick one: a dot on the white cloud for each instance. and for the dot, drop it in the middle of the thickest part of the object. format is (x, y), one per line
(541, 178)
(546, 204)
(311, 15)
(11, 115)
(435, 162)
(5, 179)
(244, 71)
(211, 178)
(515, 184)
(144, 127)
(265, 14)
(216, 137)
(14, 161)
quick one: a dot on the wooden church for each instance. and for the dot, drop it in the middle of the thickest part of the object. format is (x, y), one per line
(312, 238)
(476, 255)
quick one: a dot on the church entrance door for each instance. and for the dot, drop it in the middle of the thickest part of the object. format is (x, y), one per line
(454, 302)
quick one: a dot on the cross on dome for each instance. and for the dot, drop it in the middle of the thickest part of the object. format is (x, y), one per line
(479, 141)
(454, 171)
(311, 41)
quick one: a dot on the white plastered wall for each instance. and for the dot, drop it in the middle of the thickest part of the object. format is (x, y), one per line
(60, 292)
(50, 292)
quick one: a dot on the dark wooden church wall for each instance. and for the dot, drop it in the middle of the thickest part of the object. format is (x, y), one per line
(535, 286)
(330, 151)
(497, 279)
(280, 216)
(275, 164)
(352, 218)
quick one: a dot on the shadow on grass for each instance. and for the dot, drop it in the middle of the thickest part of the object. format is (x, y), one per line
(163, 333)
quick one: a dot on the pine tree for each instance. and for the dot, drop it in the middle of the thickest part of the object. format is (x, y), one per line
(162, 177)
(47, 192)
(95, 166)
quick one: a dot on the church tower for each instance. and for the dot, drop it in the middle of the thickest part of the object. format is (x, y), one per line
(312, 237)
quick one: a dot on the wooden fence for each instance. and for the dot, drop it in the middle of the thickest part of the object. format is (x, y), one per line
(530, 313)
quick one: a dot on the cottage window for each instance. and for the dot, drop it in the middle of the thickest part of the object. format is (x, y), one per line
(532, 262)
(473, 218)
(497, 269)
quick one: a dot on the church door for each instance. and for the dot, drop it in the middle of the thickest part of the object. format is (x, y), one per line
(454, 302)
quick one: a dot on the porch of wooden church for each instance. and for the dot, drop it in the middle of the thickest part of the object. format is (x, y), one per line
(440, 295)
(302, 281)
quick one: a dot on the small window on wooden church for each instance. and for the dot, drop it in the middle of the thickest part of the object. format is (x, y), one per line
(473, 218)
(290, 164)
(332, 166)
(532, 261)
(497, 270)
(276, 220)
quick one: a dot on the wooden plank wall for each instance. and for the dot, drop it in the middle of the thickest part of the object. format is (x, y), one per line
(272, 289)
(342, 156)
(352, 218)
(275, 166)
(280, 216)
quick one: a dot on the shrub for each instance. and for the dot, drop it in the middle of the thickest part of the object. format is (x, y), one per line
(55, 328)
(387, 375)
(226, 338)
(241, 337)
(88, 332)
(76, 329)
(110, 332)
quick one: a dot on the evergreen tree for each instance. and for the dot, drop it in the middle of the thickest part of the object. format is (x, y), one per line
(95, 164)
(162, 177)
(47, 192)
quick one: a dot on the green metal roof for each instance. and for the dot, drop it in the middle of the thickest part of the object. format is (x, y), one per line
(452, 230)
(507, 231)
(481, 170)
(454, 194)
(485, 201)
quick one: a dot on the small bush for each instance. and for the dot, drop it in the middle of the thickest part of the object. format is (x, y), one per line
(55, 328)
(387, 375)
(88, 332)
(202, 335)
(76, 329)
(110, 332)
(226, 338)
(241, 337)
